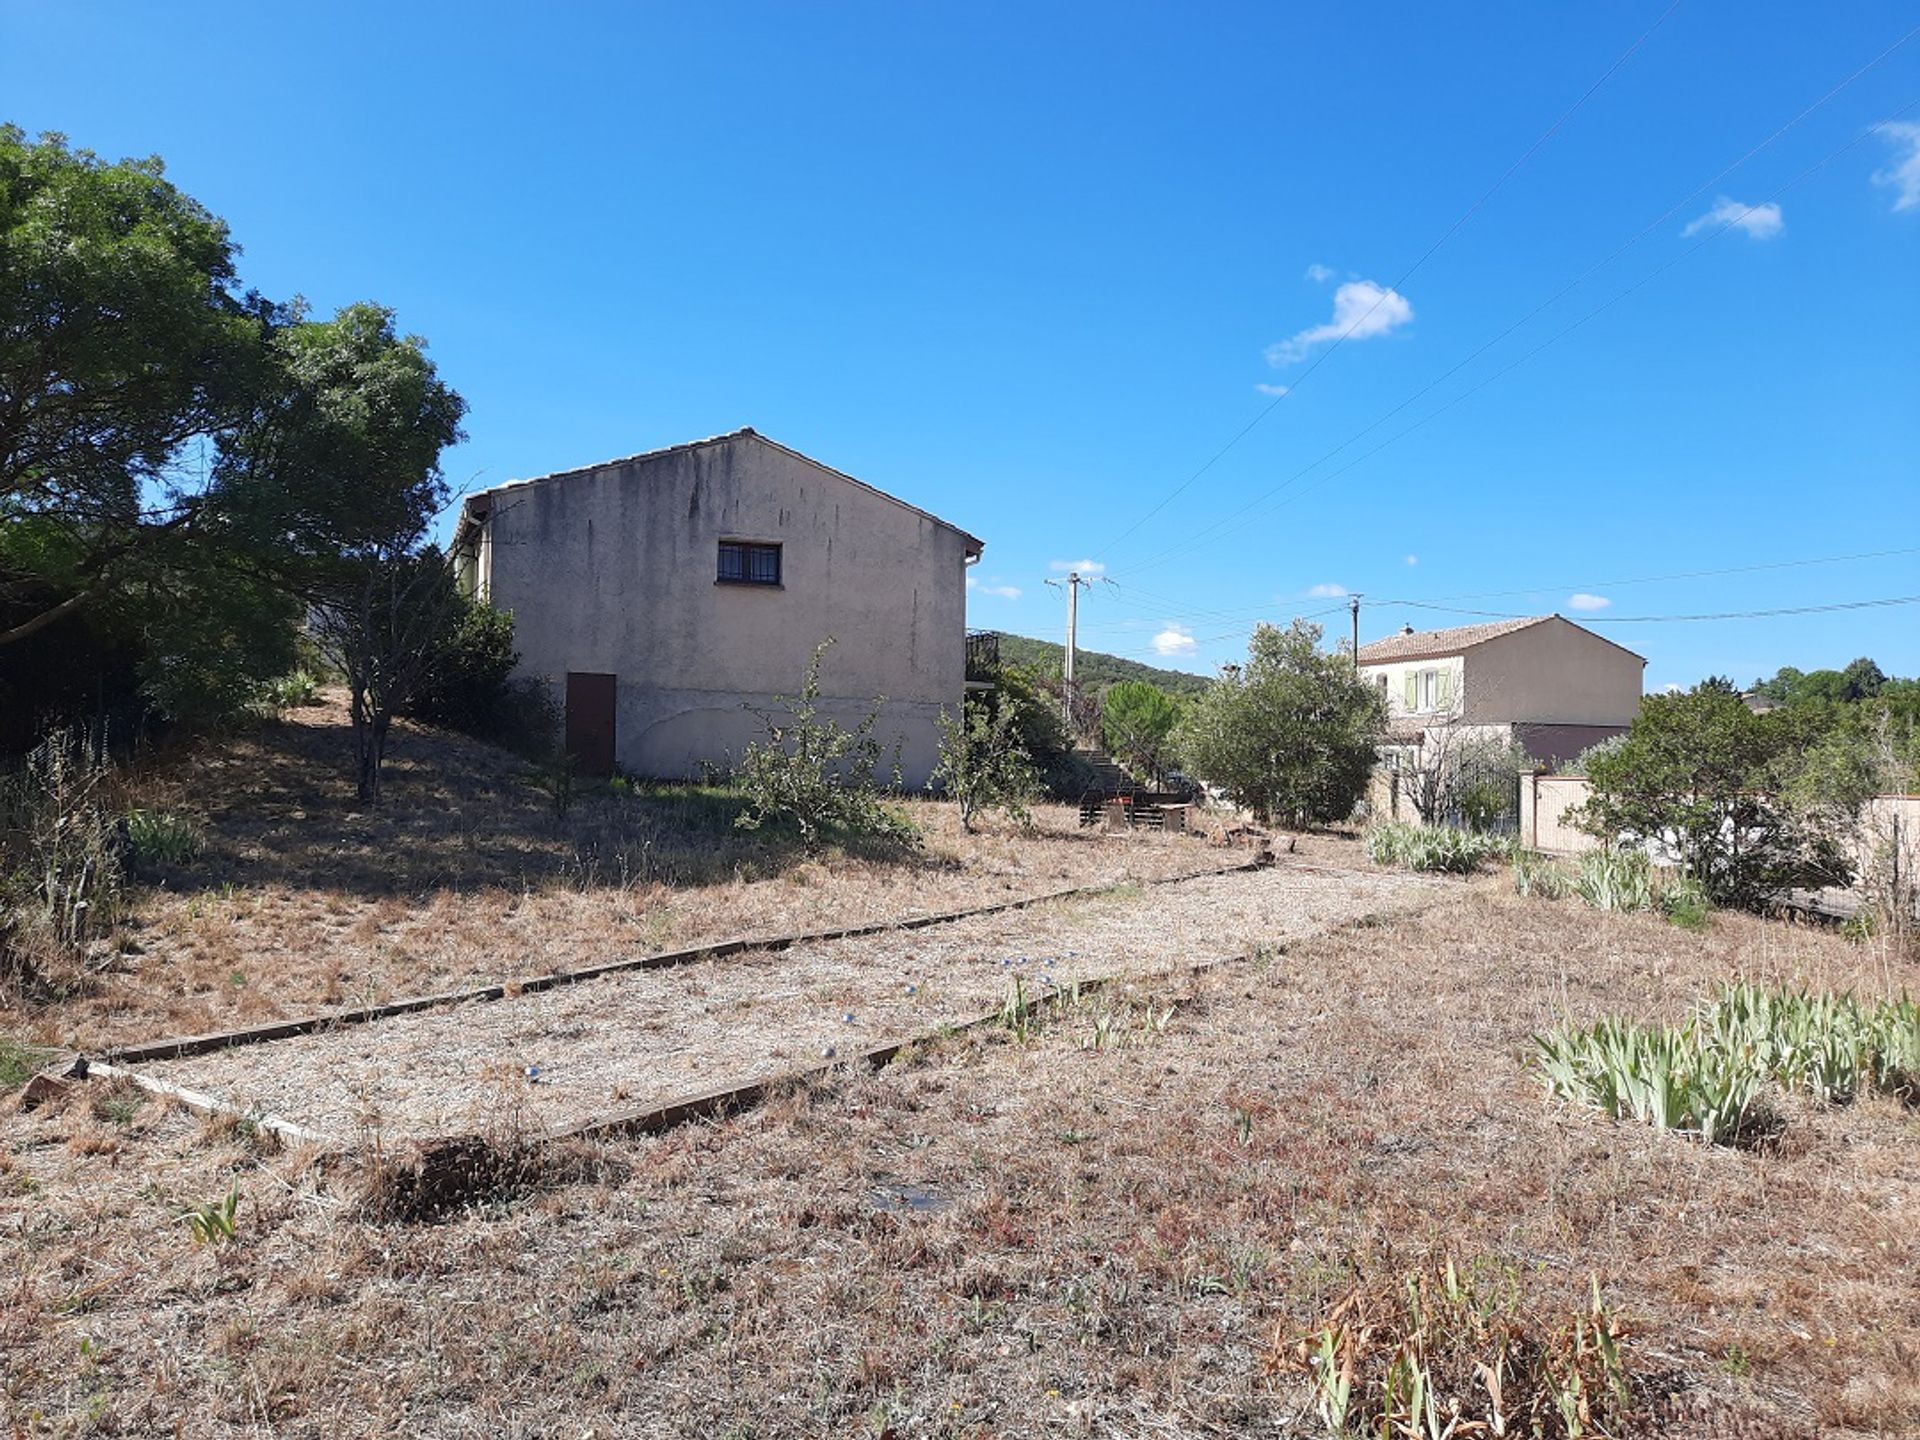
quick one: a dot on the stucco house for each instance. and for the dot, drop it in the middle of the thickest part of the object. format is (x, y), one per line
(665, 596)
(1554, 686)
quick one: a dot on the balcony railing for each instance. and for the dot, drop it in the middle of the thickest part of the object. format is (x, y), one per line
(983, 655)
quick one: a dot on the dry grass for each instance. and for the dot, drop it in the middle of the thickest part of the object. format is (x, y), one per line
(463, 875)
(1108, 1227)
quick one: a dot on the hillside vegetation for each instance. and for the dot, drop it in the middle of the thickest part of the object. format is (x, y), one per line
(1093, 670)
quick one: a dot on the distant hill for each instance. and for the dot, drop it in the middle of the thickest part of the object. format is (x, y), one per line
(1093, 670)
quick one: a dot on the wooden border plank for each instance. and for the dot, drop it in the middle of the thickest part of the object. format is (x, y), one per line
(198, 1101)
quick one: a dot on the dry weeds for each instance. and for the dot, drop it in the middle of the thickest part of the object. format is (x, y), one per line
(304, 898)
(1099, 1229)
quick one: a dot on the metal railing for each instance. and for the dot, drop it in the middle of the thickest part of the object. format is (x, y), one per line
(983, 654)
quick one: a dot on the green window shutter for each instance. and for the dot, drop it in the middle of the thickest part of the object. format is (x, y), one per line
(1443, 690)
(1413, 689)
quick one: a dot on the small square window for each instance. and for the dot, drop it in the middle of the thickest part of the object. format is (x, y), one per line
(745, 563)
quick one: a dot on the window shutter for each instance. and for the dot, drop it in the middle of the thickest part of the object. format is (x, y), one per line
(1444, 689)
(1413, 689)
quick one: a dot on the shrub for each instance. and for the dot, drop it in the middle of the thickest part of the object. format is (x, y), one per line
(1137, 721)
(982, 764)
(160, 837)
(1432, 847)
(1683, 900)
(1699, 772)
(1292, 736)
(817, 775)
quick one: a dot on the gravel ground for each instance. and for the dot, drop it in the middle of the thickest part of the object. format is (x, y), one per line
(559, 1057)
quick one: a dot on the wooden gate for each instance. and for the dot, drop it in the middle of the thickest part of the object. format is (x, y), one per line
(590, 721)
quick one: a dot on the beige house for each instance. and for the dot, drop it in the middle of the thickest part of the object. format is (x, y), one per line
(664, 597)
(1552, 685)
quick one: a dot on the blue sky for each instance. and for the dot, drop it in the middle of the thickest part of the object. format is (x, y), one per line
(1031, 266)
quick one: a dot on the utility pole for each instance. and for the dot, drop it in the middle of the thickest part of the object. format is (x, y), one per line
(1073, 582)
(1353, 604)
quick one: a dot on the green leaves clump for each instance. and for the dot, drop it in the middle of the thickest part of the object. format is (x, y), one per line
(1704, 1076)
(1292, 735)
(1433, 847)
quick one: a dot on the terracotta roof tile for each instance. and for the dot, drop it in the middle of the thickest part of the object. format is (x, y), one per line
(1426, 644)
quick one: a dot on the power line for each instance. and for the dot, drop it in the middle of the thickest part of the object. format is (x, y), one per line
(1675, 619)
(1199, 537)
(1405, 276)
(1657, 579)
(1552, 340)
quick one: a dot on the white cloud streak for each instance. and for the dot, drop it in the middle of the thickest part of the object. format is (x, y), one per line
(1084, 567)
(1580, 600)
(1276, 391)
(1762, 222)
(1326, 590)
(1319, 274)
(1413, 559)
(1176, 639)
(1003, 591)
(1903, 175)
(1362, 310)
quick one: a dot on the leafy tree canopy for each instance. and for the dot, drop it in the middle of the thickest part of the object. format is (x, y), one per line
(1292, 735)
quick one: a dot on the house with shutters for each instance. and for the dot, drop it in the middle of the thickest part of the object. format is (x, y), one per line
(665, 598)
(1551, 685)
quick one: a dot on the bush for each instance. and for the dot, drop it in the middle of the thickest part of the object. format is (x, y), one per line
(982, 765)
(1701, 774)
(817, 775)
(1040, 732)
(1292, 736)
(464, 678)
(1433, 847)
(1683, 900)
(1657, 1074)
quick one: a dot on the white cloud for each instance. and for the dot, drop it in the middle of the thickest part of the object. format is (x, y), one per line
(1362, 310)
(1413, 559)
(1274, 390)
(1580, 600)
(1084, 567)
(1762, 222)
(1326, 590)
(1005, 592)
(1903, 175)
(1176, 639)
(1319, 273)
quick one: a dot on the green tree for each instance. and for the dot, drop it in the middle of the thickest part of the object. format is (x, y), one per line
(331, 483)
(1137, 721)
(1703, 774)
(1293, 735)
(122, 342)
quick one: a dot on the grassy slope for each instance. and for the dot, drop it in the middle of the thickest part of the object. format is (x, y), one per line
(1093, 669)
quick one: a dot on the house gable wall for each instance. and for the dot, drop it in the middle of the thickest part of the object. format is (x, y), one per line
(1553, 673)
(613, 570)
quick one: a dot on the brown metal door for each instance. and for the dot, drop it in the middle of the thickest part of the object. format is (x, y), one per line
(590, 722)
